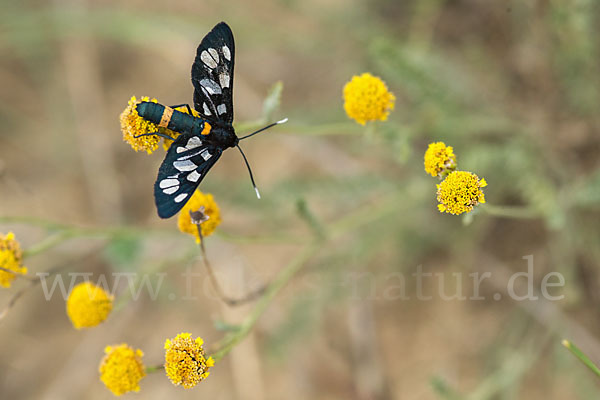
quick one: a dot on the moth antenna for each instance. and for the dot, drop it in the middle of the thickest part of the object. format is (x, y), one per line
(283, 121)
(249, 170)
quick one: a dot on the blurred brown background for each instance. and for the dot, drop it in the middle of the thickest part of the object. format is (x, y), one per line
(513, 87)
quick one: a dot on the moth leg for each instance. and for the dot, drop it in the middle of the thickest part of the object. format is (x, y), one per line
(186, 105)
(157, 134)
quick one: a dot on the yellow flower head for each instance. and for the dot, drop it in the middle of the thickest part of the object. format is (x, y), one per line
(439, 159)
(460, 192)
(133, 125)
(88, 305)
(210, 210)
(366, 98)
(11, 258)
(185, 361)
(121, 369)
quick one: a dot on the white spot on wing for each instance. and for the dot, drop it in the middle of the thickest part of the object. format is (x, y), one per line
(171, 190)
(193, 143)
(211, 86)
(224, 79)
(180, 197)
(208, 60)
(194, 176)
(168, 183)
(214, 54)
(180, 149)
(205, 109)
(226, 53)
(221, 109)
(186, 165)
(206, 155)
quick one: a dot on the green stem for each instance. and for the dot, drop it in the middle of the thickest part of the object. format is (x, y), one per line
(581, 356)
(351, 222)
(441, 387)
(365, 215)
(154, 368)
(286, 274)
(510, 211)
(124, 297)
(64, 232)
(311, 219)
(34, 221)
(86, 231)
(277, 238)
(48, 243)
(18, 275)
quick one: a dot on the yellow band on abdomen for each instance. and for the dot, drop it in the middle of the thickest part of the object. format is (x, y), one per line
(166, 117)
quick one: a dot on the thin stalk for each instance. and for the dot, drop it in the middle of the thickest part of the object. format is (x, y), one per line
(154, 368)
(510, 211)
(351, 222)
(49, 242)
(215, 283)
(64, 232)
(280, 281)
(125, 296)
(18, 275)
(581, 356)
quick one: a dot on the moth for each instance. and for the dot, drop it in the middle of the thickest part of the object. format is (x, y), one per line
(202, 139)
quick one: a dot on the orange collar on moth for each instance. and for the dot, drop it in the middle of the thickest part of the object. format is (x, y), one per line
(206, 129)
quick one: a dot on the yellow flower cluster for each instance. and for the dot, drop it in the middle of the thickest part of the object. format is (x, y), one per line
(133, 125)
(88, 305)
(439, 159)
(185, 361)
(210, 210)
(11, 258)
(460, 192)
(367, 98)
(121, 369)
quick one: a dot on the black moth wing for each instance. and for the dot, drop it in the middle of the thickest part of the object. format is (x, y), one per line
(212, 75)
(187, 162)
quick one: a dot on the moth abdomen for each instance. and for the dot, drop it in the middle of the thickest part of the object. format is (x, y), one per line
(152, 112)
(177, 121)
